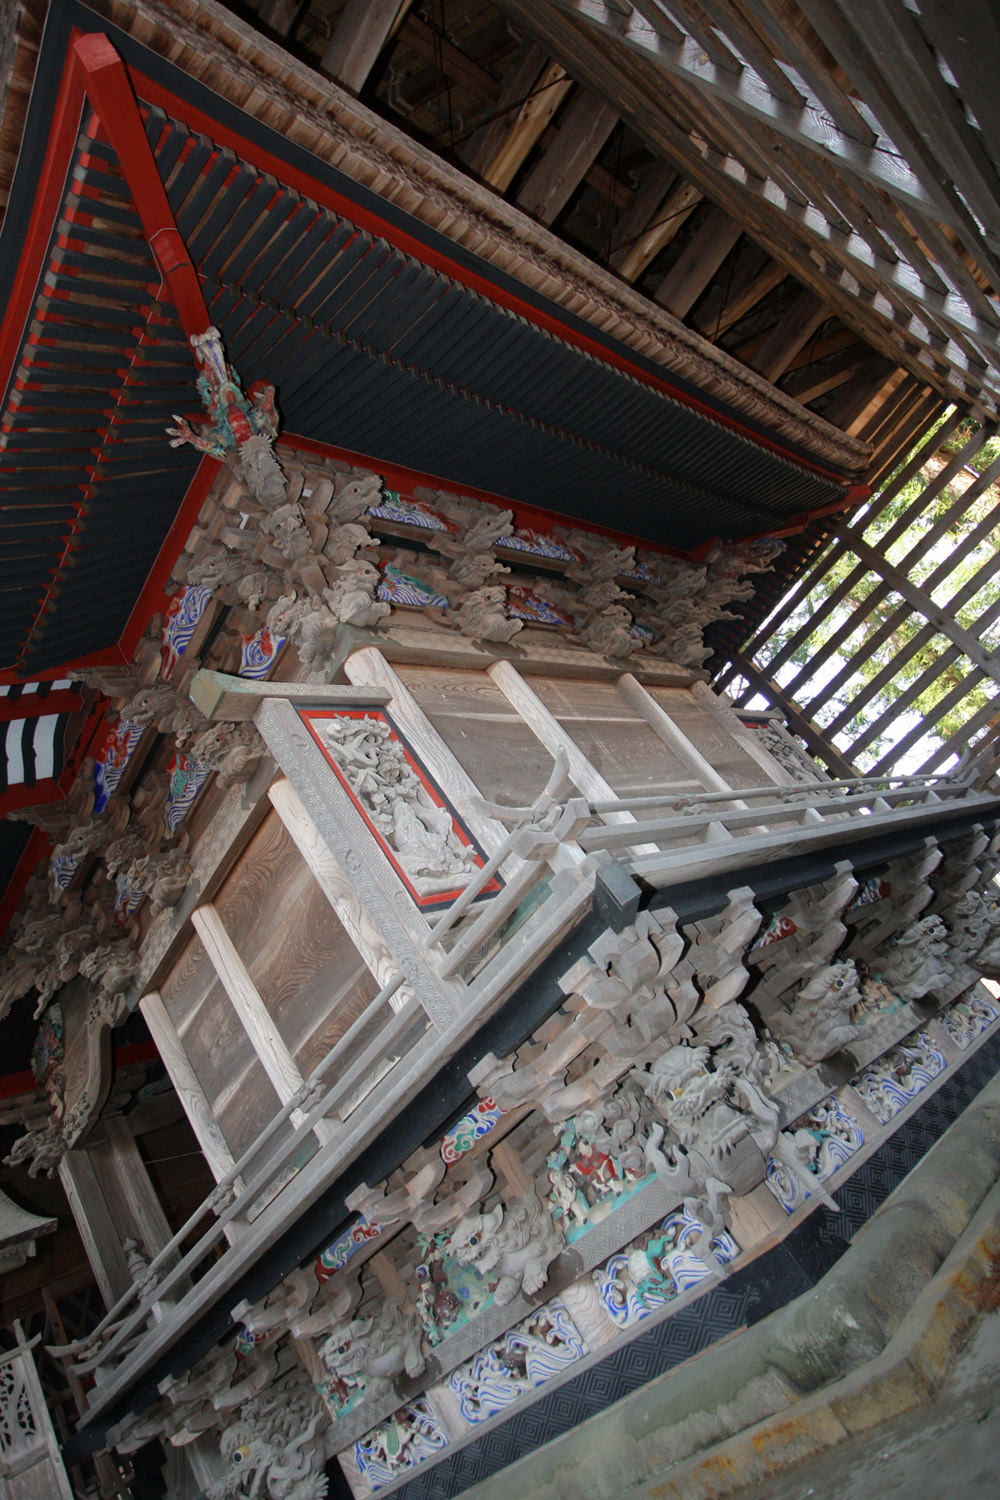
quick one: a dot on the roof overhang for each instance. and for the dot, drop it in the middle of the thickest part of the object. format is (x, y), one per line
(146, 205)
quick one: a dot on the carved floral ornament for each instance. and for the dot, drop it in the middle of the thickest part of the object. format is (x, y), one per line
(687, 1106)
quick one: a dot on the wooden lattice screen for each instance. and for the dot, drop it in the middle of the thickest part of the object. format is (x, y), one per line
(883, 655)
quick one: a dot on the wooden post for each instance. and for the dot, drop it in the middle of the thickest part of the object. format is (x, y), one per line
(189, 1090)
(257, 1021)
(554, 737)
(336, 885)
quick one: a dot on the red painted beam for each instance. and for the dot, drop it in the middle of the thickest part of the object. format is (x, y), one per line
(38, 705)
(110, 92)
(37, 847)
(15, 797)
(152, 596)
(294, 177)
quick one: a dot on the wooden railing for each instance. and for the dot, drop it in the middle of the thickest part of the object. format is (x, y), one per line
(322, 1126)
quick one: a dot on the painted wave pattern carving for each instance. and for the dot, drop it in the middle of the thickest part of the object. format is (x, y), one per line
(899, 1076)
(471, 1128)
(411, 1435)
(186, 778)
(62, 868)
(874, 889)
(258, 653)
(541, 1346)
(660, 1266)
(525, 604)
(129, 895)
(407, 513)
(186, 609)
(969, 1019)
(538, 545)
(813, 1149)
(400, 588)
(344, 1247)
(777, 928)
(110, 765)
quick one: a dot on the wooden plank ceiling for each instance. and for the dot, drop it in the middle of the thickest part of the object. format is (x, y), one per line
(811, 184)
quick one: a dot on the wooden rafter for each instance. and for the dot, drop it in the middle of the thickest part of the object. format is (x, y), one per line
(363, 28)
(584, 128)
(903, 333)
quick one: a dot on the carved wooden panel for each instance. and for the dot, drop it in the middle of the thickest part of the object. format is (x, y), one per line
(219, 1050)
(308, 972)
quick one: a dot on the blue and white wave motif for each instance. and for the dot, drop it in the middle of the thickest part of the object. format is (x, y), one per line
(903, 1073)
(186, 779)
(638, 1280)
(259, 653)
(525, 540)
(399, 588)
(540, 1346)
(407, 1438)
(968, 1019)
(182, 618)
(129, 894)
(837, 1135)
(406, 512)
(108, 771)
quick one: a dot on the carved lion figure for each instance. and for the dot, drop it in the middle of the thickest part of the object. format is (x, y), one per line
(160, 704)
(819, 1022)
(483, 616)
(917, 962)
(311, 626)
(514, 1242)
(610, 633)
(378, 1348)
(351, 596)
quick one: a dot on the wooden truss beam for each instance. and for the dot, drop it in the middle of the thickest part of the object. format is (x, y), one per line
(698, 262)
(922, 602)
(583, 131)
(901, 331)
(800, 321)
(815, 380)
(362, 30)
(679, 204)
(806, 126)
(532, 118)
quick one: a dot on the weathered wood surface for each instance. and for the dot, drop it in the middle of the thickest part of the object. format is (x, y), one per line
(221, 696)
(253, 1014)
(185, 1081)
(484, 732)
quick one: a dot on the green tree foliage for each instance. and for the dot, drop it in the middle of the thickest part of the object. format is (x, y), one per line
(883, 649)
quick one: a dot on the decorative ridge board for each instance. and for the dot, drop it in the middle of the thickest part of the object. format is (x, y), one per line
(410, 645)
(758, 1286)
